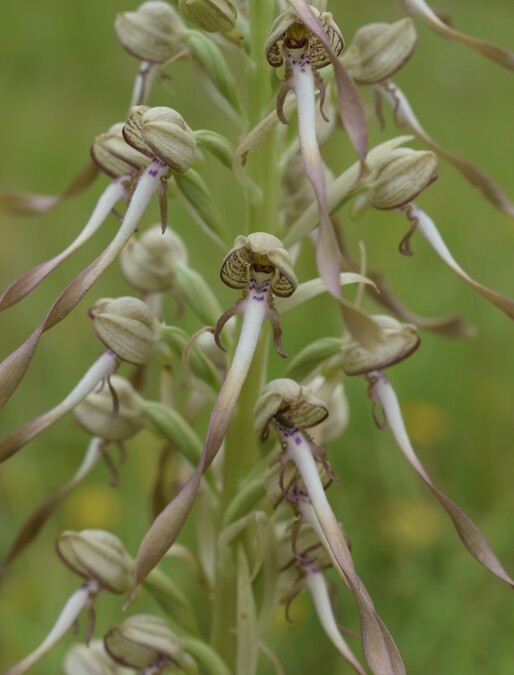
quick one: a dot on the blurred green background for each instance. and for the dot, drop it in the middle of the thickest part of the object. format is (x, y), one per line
(65, 79)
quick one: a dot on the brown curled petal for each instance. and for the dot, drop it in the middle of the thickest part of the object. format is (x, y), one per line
(226, 316)
(235, 266)
(284, 282)
(267, 406)
(274, 318)
(322, 94)
(285, 87)
(471, 536)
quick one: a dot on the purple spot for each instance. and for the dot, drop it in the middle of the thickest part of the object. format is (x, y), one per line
(259, 298)
(153, 172)
(298, 440)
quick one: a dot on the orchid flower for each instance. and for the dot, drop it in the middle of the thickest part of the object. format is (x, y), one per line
(260, 267)
(304, 41)
(290, 409)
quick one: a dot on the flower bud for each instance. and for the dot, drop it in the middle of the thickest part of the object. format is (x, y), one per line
(290, 402)
(152, 33)
(161, 132)
(126, 326)
(97, 415)
(143, 640)
(399, 176)
(91, 659)
(288, 28)
(213, 16)
(97, 555)
(114, 156)
(378, 50)
(259, 253)
(401, 340)
(147, 262)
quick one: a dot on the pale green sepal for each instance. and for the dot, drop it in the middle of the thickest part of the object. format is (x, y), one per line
(201, 366)
(199, 203)
(171, 599)
(313, 356)
(314, 287)
(213, 63)
(245, 500)
(217, 145)
(174, 428)
(197, 294)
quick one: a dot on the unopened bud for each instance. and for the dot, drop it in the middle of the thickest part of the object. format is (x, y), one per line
(91, 659)
(152, 33)
(213, 16)
(399, 176)
(143, 640)
(111, 419)
(147, 262)
(161, 132)
(400, 341)
(259, 253)
(97, 555)
(128, 327)
(378, 50)
(114, 156)
(289, 403)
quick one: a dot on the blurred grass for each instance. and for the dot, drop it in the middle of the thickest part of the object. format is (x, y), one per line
(64, 80)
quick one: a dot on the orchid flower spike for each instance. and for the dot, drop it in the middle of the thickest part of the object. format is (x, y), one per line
(260, 266)
(291, 409)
